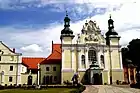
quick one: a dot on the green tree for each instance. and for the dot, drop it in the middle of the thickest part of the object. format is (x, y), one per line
(134, 52)
(124, 55)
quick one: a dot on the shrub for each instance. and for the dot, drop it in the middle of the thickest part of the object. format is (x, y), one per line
(1, 87)
(80, 89)
(117, 82)
(19, 85)
(133, 86)
(67, 82)
(124, 83)
(137, 85)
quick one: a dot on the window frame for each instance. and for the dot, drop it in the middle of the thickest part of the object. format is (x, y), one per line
(11, 69)
(10, 79)
(83, 59)
(54, 69)
(92, 56)
(47, 68)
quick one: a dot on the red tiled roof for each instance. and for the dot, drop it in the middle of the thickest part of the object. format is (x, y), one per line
(56, 47)
(55, 56)
(31, 63)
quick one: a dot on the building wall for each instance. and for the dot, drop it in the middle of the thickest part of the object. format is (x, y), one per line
(9, 58)
(24, 78)
(51, 72)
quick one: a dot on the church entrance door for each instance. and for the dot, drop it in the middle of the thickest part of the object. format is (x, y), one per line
(97, 79)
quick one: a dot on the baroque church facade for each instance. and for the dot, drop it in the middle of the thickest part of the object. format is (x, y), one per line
(94, 57)
(97, 59)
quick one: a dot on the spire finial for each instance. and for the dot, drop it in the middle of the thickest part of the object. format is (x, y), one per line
(66, 13)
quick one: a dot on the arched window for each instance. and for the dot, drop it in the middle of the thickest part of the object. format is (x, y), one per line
(83, 59)
(102, 60)
(92, 56)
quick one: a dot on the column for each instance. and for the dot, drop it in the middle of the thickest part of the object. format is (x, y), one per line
(129, 75)
(134, 71)
(120, 56)
(2, 77)
(73, 61)
(86, 59)
(98, 58)
(63, 59)
(79, 60)
(62, 65)
(38, 66)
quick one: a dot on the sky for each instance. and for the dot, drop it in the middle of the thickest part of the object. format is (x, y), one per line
(31, 25)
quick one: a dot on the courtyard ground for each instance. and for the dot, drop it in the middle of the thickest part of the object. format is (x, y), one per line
(49, 90)
(110, 89)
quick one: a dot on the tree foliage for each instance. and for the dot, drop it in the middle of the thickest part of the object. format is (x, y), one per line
(132, 52)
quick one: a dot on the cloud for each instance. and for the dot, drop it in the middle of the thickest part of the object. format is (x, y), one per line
(33, 47)
(32, 42)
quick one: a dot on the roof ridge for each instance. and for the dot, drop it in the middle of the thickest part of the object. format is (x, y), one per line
(57, 43)
(33, 57)
(57, 51)
(8, 47)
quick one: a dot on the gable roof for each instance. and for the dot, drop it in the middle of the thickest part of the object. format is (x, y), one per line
(56, 47)
(31, 62)
(55, 56)
(13, 51)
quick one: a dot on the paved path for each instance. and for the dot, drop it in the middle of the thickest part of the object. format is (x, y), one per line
(109, 89)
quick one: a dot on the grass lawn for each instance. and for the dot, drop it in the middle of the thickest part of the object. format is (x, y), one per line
(49, 90)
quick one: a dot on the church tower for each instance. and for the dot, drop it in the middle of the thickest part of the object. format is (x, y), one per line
(115, 59)
(66, 43)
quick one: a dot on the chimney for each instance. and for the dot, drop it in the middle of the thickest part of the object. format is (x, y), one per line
(52, 46)
(14, 50)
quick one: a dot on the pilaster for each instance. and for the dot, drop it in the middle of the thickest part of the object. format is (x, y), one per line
(121, 65)
(79, 60)
(73, 61)
(86, 58)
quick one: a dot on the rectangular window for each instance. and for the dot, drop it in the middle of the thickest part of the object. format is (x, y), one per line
(11, 68)
(0, 58)
(54, 68)
(55, 78)
(47, 68)
(10, 79)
